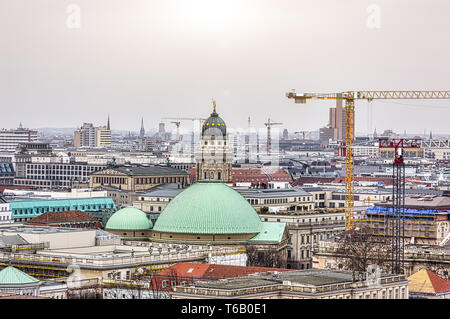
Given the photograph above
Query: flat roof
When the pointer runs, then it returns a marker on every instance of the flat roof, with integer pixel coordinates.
(31, 229)
(145, 170)
(265, 193)
(309, 278)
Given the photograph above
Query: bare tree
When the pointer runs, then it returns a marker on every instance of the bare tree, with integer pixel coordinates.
(156, 288)
(272, 258)
(357, 249)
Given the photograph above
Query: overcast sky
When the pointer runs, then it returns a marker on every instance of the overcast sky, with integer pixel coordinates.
(169, 58)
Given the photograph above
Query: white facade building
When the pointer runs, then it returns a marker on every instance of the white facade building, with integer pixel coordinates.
(5, 213)
(10, 139)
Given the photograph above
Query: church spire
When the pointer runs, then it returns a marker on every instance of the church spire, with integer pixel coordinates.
(142, 132)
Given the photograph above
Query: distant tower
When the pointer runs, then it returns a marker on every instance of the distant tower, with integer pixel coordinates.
(249, 122)
(285, 134)
(142, 132)
(375, 135)
(431, 135)
(214, 156)
(108, 126)
(162, 128)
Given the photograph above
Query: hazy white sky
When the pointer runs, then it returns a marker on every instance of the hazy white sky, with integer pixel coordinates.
(168, 58)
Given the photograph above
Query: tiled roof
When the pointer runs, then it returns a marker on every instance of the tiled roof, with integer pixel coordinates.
(213, 271)
(62, 217)
(425, 281)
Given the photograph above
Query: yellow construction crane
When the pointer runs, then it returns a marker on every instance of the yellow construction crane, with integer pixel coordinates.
(269, 124)
(350, 97)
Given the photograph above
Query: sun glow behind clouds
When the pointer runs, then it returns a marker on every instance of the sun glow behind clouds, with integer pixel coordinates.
(211, 15)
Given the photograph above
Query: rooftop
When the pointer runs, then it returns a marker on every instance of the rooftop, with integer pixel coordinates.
(31, 229)
(424, 201)
(265, 193)
(10, 240)
(312, 278)
(425, 281)
(13, 276)
(270, 232)
(61, 217)
(164, 190)
(146, 170)
(213, 271)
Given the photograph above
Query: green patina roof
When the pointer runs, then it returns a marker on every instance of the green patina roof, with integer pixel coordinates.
(145, 171)
(214, 125)
(271, 232)
(129, 218)
(208, 207)
(60, 202)
(13, 276)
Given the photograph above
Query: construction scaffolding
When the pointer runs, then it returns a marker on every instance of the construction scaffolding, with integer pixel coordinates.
(398, 215)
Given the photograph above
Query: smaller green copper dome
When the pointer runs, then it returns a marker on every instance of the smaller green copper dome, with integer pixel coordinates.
(214, 125)
(129, 218)
(14, 276)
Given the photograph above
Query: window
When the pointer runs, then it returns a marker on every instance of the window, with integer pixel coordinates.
(164, 283)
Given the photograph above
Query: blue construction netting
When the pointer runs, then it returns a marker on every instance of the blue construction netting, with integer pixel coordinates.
(418, 213)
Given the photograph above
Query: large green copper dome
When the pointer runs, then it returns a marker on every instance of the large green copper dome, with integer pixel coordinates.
(208, 207)
(129, 218)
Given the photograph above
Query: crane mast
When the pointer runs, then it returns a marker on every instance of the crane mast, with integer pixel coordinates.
(269, 124)
(349, 141)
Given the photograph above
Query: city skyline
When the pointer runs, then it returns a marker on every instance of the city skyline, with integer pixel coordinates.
(168, 59)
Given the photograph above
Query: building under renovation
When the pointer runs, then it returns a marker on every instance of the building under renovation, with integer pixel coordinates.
(426, 219)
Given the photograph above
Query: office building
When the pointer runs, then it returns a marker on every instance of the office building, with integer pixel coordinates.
(90, 136)
(10, 139)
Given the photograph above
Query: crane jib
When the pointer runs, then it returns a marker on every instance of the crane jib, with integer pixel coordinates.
(348, 147)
